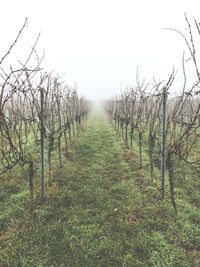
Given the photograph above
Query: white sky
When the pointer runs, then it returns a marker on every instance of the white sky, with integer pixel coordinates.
(99, 43)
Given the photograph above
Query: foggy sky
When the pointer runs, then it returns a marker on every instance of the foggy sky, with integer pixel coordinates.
(99, 44)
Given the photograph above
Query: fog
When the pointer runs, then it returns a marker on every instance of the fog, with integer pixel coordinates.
(99, 44)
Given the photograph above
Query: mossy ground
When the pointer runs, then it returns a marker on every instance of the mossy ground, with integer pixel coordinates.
(101, 210)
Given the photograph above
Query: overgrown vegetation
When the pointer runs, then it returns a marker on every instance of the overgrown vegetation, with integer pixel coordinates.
(101, 210)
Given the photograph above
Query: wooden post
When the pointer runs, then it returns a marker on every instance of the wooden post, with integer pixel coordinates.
(73, 115)
(114, 113)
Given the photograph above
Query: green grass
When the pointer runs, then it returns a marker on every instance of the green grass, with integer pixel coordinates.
(101, 211)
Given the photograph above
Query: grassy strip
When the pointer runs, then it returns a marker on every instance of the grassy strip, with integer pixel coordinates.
(102, 211)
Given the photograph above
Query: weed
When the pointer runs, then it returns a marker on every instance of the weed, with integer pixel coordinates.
(101, 210)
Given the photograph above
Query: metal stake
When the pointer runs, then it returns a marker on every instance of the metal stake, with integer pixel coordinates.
(42, 141)
(163, 144)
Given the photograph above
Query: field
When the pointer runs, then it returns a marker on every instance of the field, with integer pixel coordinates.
(100, 209)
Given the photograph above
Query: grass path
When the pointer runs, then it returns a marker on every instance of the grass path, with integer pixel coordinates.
(101, 214)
